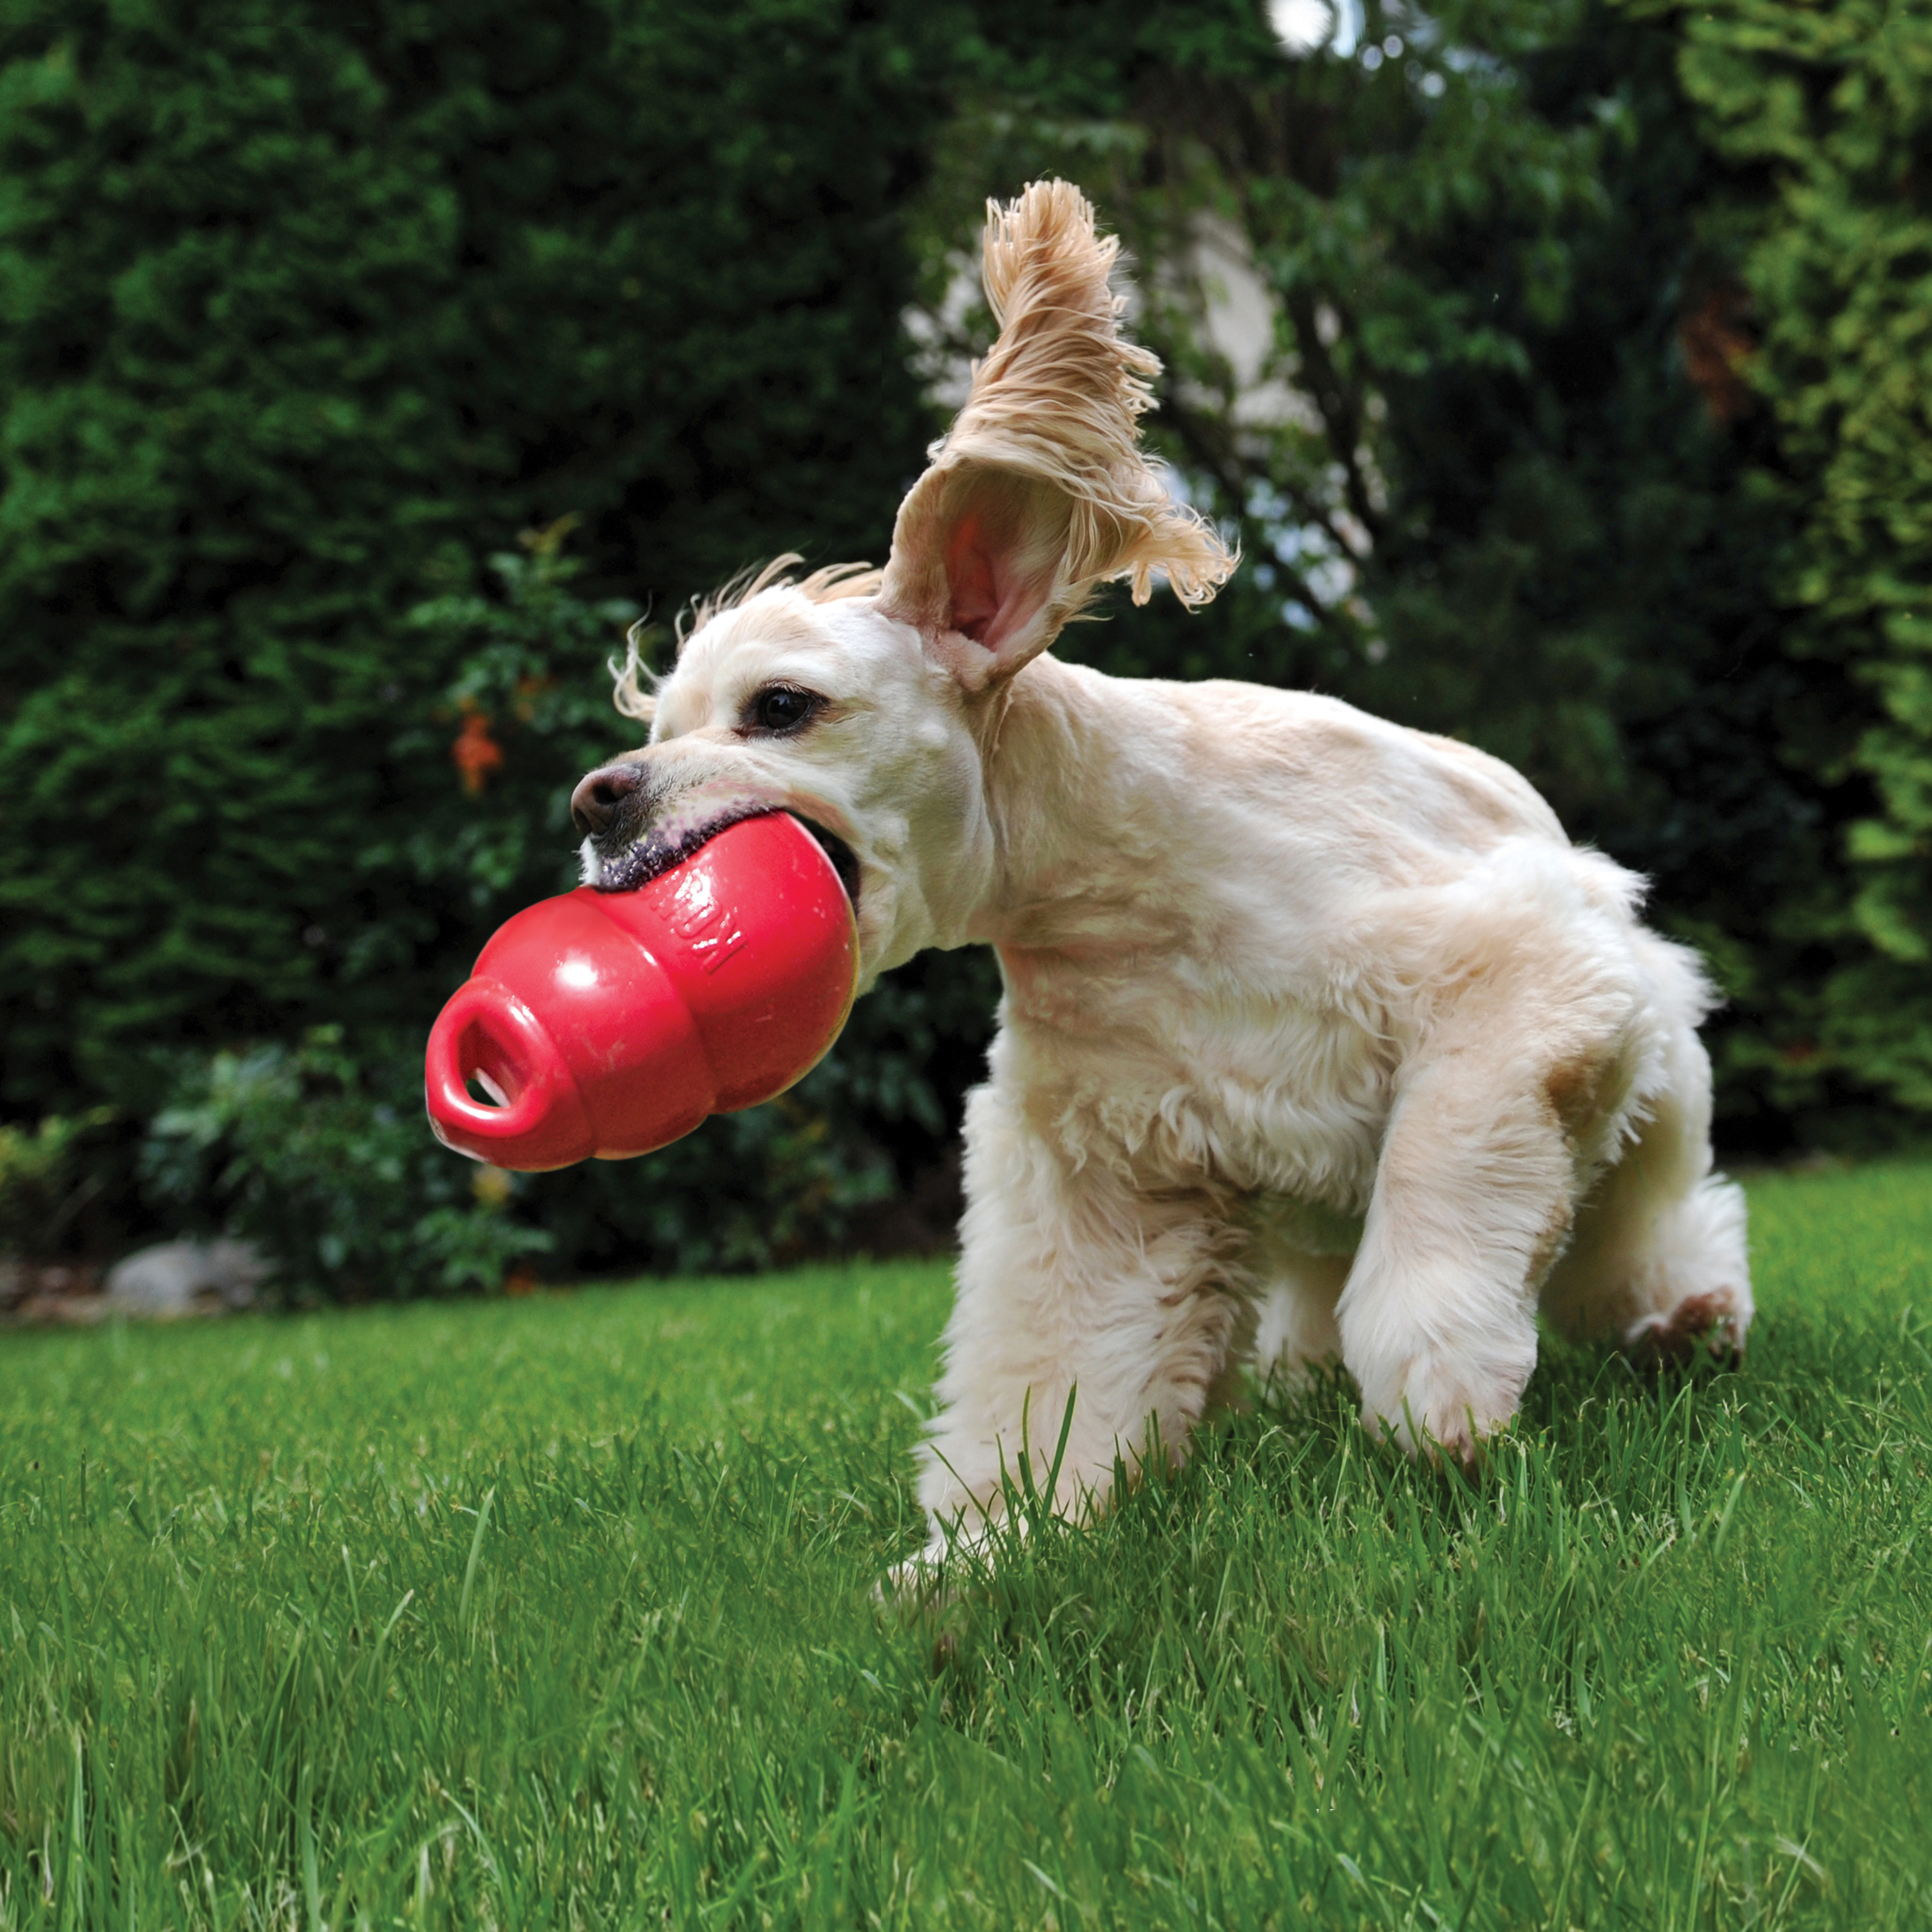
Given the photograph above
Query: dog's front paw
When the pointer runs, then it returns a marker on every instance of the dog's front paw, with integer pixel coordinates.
(1438, 1406)
(922, 1593)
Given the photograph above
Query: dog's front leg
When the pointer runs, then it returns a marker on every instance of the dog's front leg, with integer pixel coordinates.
(1472, 1203)
(1072, 1283)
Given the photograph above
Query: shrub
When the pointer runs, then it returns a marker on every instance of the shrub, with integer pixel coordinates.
(299, 1150)
(305, 311)
(43, 1180)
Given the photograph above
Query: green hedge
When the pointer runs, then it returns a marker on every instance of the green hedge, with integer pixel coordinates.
(304, 309)
(1608, 316)
(1825, 114)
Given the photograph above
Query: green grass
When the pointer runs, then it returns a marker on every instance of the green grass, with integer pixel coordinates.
(557, 1612)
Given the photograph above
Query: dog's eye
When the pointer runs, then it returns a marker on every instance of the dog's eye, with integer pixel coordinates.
(779, 708)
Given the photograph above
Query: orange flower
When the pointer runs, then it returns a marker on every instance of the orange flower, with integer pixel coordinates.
(476, 754)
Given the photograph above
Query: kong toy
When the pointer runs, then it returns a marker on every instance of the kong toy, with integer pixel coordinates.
(605, 1025)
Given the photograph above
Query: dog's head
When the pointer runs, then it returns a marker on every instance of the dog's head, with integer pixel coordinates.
(861, 701)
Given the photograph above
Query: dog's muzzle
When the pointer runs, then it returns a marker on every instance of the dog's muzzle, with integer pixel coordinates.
(612, 801)
(631, 837)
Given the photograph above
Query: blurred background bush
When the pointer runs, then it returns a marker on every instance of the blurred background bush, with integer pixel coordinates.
(367, 368)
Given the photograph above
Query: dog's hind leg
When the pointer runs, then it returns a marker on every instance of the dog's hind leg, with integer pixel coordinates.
(1659, 1262)
(1073, 1285)
(1295, 1329)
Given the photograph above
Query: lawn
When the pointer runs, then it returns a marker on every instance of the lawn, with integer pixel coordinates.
(557, 1612)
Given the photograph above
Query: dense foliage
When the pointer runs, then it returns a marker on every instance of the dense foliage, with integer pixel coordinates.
(1826, 112)
(305, 310)
(364, 371)
(340, 1192)
(303, 303)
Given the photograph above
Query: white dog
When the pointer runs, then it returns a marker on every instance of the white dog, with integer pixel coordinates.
(1319, 1038)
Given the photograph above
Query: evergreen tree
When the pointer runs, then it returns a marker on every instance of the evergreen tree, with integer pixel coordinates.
(305, 307)
(1823, 114)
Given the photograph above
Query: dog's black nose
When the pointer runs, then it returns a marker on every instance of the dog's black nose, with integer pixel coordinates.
(601, 796)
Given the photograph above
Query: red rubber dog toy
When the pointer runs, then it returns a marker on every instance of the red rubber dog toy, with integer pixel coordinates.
(608, 1024)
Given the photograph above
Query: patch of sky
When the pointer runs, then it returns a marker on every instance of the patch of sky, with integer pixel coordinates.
(1308, 550)
(1305, 27)
(1336, 27)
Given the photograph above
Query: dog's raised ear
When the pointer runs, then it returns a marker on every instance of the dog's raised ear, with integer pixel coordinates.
(1040, 491)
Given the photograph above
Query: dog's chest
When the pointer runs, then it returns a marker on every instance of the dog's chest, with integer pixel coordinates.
(1187, 1084)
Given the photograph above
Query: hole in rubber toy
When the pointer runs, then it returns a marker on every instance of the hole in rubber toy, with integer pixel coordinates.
(484, 1090)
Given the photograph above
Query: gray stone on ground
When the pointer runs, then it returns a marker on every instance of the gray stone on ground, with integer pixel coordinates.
(179, 1278)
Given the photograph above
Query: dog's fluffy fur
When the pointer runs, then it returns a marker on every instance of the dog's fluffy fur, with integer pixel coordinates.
(1319, 1038)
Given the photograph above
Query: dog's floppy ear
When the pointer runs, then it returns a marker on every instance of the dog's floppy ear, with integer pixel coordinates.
(1040, 491)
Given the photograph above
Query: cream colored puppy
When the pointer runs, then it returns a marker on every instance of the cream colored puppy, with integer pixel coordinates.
(1319, 1037)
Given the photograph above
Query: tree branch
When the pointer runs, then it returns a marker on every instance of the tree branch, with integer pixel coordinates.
(1210, 448)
